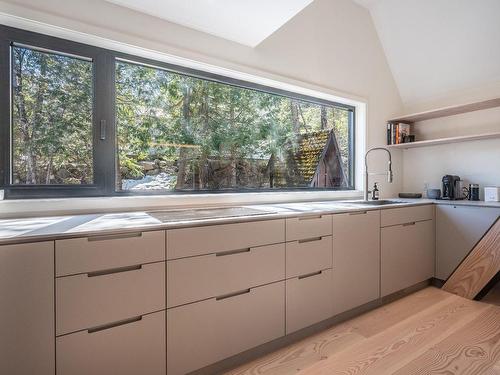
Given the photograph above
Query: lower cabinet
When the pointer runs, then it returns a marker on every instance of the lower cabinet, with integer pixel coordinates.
(356, 259)
(205, 332)
(309, 300)
(408, 254)
(27, 309)
(458, 229)
(130, 347)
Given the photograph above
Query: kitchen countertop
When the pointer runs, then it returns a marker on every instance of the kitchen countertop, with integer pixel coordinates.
(70, 226)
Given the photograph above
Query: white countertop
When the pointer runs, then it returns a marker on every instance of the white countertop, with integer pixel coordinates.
(49, 228)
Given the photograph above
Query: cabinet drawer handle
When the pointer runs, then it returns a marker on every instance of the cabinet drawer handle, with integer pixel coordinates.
(310, 275)
(239, 293)
(310, 239)
(232, 252)
(115, 270)
(114, 236)
(408, 224)
(310, 217)
(358, 213)
(114, 324)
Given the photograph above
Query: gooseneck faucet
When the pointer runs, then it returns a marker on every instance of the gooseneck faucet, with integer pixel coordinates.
(389, 171)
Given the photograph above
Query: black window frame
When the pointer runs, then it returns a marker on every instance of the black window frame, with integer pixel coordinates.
(103, 117)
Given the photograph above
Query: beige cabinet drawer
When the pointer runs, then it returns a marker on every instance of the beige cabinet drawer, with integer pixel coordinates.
(196, 278)
(89, 300)
(186, 242)
(206, 332)
(132, 347)
(402, 215)
(305, 256)
(407, 255)
(80, 255)
(299, 228)
(309, 300)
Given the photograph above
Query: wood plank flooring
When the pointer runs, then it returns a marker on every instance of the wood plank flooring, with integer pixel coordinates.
(428, 332)
(479, 267)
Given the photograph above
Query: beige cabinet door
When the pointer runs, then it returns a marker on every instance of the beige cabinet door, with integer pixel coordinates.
(458, 229)
(356, 259)
(309, 300)
(27, 309)
(202, 333)
(408, 254)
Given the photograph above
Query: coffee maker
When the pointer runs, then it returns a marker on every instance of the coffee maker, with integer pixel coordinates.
(451, 187)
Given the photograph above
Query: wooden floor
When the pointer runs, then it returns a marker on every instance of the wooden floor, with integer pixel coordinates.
(428, 332)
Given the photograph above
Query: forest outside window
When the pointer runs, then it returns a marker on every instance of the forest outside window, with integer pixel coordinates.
(51, 118)
(181, 133)
(78, 120)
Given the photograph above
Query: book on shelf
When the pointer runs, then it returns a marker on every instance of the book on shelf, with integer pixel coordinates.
(397, 132)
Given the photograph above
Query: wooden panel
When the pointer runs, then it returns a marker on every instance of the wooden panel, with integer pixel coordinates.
(207, 276)
(402, 215)
(27, 309)
(356, 259)
(407, 255)
(135, 347)
(299, 228)
(205, 332)
(479, 267)
(458, 229)
(309, 300)
(81, 255)
(86, 301)
(306, 256)
(187, 242)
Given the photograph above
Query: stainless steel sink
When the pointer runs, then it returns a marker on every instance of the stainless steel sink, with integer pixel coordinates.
(381, 202)
(206, 213)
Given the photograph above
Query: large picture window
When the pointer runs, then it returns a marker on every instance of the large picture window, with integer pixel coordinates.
(78, 120)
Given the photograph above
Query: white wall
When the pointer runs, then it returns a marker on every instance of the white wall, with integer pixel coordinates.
(475, 162)
(332, 44)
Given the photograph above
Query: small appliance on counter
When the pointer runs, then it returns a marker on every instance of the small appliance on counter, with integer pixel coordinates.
(492, 194)
(452, 187)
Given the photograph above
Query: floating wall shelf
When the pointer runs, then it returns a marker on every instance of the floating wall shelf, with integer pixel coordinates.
(441, 141)
(448, 111)
(443, 112)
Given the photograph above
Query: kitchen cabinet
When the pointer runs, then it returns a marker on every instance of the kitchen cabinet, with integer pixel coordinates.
(195, 278)
(309, 300)
(186, 242)
(458, 229)
(27, 309)
(129, 347)
(310, 255)
(298, 228)
(87, 254)
(88, 300)
(356, 259)
(407, 255)
(202, 333)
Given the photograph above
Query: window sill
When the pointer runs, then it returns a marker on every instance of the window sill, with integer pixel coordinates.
(66, 206)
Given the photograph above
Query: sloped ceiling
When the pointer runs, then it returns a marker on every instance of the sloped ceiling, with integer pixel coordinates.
(247, 22)
(436, 47)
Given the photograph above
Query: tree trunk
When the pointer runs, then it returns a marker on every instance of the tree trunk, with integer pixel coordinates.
(186, 119)
(324, 119)
(294, 112)
(25, 126)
